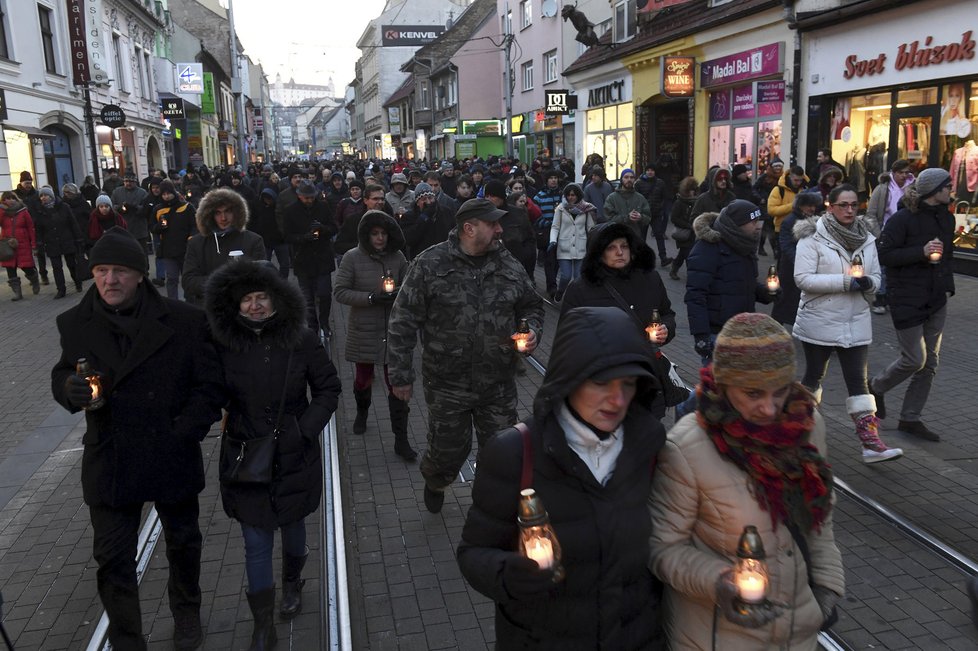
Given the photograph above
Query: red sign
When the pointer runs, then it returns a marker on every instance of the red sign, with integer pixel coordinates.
(678, 77)
(913, 55)
(655, 5)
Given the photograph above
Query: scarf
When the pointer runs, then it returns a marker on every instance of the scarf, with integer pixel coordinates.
(578, 208)
(788, 476)
(123, 324)
(850, 237)
(736, 239)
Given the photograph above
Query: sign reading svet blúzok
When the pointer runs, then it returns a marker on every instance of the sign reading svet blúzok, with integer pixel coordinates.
(398, 35)
(742, 66)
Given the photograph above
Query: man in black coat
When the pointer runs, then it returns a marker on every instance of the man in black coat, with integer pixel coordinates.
(308, 226)
(917, 249)
(162, 387)
(58, 230)
(654, 190)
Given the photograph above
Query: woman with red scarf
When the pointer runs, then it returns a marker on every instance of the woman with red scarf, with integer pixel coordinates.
(753, 453)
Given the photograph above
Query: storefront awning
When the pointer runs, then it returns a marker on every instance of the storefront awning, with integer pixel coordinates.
(33, 132)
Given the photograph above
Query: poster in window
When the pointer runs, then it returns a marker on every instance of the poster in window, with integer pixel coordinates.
(840, 117)
(744, 146)
(954, 122)
(768, 144)
(720, 146)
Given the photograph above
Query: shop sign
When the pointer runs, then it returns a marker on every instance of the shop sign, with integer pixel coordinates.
(613, 93)
(401, 35)
(464, 149)
(649, 6)
(207, 102)
(750, 64)
(743, 102)
(113, 116)
(516, 126)
(172, 108)
(916, 54)
(394, 118)
(85, 37)
(222, 136)
(559, 102)
(483, 127)
(770, 91)
(190, 78)
(678, 78)
(3, 105)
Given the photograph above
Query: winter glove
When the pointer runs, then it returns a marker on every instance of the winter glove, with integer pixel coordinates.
(754, 617)
(703, 346)
(523, 578)
(551, 247)
(826, 600)
(861, 284)
(381, 298)
(77, 390)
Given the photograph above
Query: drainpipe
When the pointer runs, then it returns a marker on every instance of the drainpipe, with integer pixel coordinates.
(790, 18)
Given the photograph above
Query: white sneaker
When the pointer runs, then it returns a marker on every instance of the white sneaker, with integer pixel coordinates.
(878, 309)
(872, 456)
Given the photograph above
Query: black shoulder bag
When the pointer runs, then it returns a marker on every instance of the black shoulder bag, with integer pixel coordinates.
(252, 461)
(673, 393)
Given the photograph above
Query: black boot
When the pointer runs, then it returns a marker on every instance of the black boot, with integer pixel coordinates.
(263, 611)
(35, 284)
(292, 584)
(363, 405)
(78, 286)
(61, 293)
(44, 278)
(187, 633)
(15, 286)
(399, 417)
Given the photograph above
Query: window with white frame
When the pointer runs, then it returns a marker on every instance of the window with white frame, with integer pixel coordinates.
(550, 67)
(527, 73)
(453, 91)
(423, 96)
(508, 23)
(624, 20)
(141, 73)
(148, 66)
(4, 42)
(526, 14)
(45, 19)
(120, 72)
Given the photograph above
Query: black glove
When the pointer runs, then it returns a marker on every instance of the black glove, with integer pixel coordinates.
(551, 247)
(826, 600)
(380, 298)
(703, 346)
(78, 391)
(754, 617)
(523, 578)
(860, 284)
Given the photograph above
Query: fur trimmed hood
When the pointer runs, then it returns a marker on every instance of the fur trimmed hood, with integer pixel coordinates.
(221, 197)
(598, 239)
(221, 303)
(371, 218)
(804, 228)
(703, 227)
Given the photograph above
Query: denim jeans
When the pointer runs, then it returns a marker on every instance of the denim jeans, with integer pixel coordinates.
(689, 404)
(172, 268)
(569, 270)
(259, 544)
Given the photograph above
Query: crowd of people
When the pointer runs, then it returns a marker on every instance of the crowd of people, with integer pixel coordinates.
(446, 256)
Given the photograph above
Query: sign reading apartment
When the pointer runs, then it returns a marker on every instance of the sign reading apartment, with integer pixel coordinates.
(190, 78)
(401, 35)
(87, 47)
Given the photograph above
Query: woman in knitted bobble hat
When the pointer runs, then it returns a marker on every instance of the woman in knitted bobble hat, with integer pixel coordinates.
(753, 453)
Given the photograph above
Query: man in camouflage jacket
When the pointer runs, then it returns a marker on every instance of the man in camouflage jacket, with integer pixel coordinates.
(466, 296)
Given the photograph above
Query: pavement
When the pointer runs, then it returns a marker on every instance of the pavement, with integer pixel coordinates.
(405, 588)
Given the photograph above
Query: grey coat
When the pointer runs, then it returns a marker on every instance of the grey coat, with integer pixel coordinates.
(359, 274)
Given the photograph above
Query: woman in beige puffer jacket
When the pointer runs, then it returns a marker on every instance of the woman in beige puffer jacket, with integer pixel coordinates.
(702, 499)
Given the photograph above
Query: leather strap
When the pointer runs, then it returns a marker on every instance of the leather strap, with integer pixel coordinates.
(281, 404)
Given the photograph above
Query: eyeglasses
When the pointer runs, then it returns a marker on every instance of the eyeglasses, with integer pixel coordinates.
(847, 206)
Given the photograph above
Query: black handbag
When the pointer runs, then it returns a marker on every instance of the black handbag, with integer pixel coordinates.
(252, 461)
(82, 270)
(672, 392)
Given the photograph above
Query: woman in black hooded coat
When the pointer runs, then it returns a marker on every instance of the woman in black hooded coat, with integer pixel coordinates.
(592, 446)
(258, 321)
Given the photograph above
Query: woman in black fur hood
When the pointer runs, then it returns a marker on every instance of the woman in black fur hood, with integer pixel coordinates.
(258, 321)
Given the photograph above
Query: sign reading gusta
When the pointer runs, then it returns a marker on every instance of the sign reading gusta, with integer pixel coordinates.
(400, 35)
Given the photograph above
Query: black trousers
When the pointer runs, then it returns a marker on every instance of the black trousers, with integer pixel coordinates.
(58, 269)
(114, 548)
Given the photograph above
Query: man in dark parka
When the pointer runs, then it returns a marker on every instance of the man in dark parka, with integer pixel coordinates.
(162, 384)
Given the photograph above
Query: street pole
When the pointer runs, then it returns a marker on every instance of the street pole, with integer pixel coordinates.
(508, 83)
(239, 95)
(90, 123)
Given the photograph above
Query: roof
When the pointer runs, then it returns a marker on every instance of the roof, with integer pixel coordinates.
(442, 48)
(403, 92)
(667, 25)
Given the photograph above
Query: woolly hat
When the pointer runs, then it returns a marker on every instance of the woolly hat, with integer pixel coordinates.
(336, 175)
(69, 189)
(118, 246)
(740, 212)
(738, 169)
(625, 171)
(46, 191)
(776, 162)
(494, 188)
(350, 175)
(398, 178)
(166, 185)
(306, 189)
(423, 190)
(26, 176)
(754, 351)
(931, 181)
(103, 200)
(155, 180)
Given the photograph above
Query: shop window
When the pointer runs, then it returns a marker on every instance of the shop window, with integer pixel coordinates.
(550, 66)
(624, 20)
(20, 156)
(526, 71)
(45, 19)
(917, 97)
(610, 135)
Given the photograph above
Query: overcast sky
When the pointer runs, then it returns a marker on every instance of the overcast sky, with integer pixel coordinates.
(311, 41)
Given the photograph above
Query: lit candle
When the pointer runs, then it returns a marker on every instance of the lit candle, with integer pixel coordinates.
(389, 284)
(856, 270)
(751, 587)
(541, 551)
(521, 343)
(96, 386)
(652, 329)
(935, 257)
(773, 282)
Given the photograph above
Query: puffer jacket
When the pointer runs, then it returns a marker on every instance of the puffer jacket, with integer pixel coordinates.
(569, 232)
(16, 222)
(828, 313)
(181, 222)
(608, 599)
(209, 249)
(700, 503)
(719, 281)
(58, 230)
(255, 373)
(781, 201)
(360, 273)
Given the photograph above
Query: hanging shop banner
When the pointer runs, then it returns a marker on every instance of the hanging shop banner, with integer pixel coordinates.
(86, 42)
(172, 108)
(207, 102)
(113, 116)
(190, 78)
(413, 35)
(758, 62)
(678, 76)
(558, 102)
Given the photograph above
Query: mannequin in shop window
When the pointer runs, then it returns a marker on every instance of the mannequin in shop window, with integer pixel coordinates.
(964, 172)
